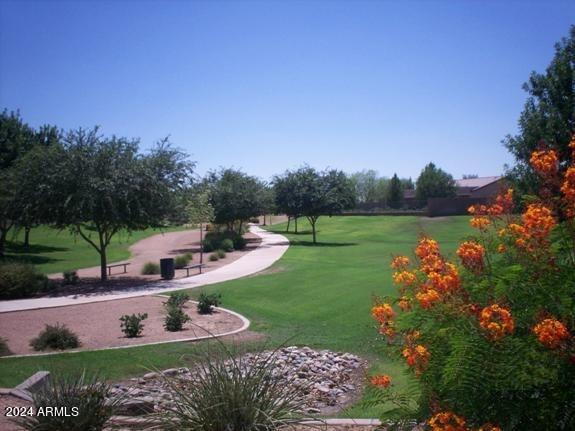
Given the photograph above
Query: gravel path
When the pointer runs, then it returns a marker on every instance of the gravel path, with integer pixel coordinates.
(21, 326)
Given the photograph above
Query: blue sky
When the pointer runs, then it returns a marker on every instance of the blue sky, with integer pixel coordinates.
(268, 86)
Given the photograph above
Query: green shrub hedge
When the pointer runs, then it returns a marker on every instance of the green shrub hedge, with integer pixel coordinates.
(21, 280)
(57, 337)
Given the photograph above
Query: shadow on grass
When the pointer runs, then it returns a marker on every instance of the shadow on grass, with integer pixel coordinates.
(29, 258)
(322, 244)
(19, 248)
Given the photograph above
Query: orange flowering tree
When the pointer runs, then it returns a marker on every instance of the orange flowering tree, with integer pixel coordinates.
(490, 332)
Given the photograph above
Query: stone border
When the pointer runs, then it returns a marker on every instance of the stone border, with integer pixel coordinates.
(245, 325)
(130, 420)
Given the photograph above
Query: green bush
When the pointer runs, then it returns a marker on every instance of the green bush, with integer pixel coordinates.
(132, 325)
(70, 278)
(208, 245)
(57, 337)
(4, 350)
(227, 245)
(21, 280)
(214, 257)
(206, 303)
(175, 318)
(177, 299)
(239, 242)
(220, 253)
(231, 393)
(89, 405)
(150, 268)
(182, 260)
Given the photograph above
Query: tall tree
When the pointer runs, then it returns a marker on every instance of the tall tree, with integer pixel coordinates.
(97, 186)
(433, 182)
(287, 196)
(548, 117)
(395, 198)
(236, 197)
(322, 193)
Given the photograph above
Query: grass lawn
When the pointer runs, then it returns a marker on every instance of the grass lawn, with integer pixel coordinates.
(54, 251)
(318, 296)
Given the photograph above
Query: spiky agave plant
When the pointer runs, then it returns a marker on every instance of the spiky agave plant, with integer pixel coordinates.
(231, 393)
(72, 403)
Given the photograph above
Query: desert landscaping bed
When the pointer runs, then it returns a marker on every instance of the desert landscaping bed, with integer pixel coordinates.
(97, 324)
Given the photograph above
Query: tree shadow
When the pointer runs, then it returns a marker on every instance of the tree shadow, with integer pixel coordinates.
(30, 258)
(19, 248)
(322, 244)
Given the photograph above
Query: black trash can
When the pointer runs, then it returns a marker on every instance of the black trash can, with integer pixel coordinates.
(167, 268)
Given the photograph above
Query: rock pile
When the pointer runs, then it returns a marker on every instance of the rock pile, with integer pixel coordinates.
(327, 380)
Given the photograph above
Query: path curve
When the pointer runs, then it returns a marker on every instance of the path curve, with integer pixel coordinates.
(271, 249)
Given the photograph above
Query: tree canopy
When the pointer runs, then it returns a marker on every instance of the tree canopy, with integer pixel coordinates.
(548, 117)
(97, 185)
(433, 182)
(395, 198)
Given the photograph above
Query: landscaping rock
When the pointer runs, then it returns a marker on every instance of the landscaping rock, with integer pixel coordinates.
(327, 380)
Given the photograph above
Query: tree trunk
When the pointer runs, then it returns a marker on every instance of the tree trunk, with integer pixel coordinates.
(313, 229)
(103, 258)
(27, 237)
(289, 220)
(3, 234)
(201, 244)
(295, 225)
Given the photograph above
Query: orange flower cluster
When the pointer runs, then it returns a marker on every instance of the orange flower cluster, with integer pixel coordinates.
(551, 333)
(381, 381)
(404, 303)
(405, 278)
(497, 321)
(532, 234)
(428, 298)
(484, 214)
(400, 262)
(545, 162)
(447, 421)
(480, 222)
(426, 247)
(471, 254)
(489, 427)
(568, 189)
(383, 313)
(416, 356)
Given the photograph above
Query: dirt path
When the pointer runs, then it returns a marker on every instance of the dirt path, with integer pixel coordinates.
(19, 327)
(170, 244)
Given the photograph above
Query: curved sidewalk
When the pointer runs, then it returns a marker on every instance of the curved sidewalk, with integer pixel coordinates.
(272, 247)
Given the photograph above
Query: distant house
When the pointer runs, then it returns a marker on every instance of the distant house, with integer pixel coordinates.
(468, 192)
(481, 187)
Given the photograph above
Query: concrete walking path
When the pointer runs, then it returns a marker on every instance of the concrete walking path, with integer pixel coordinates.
(272, 247)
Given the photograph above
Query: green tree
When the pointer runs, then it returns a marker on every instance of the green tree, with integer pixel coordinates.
(548, 117)
(200, 211)
(395, 197)
(287, 196)
(433, 182)
(322, 193)
(97, 186)
(236, 197)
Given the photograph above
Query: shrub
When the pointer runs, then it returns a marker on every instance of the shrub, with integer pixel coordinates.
(150, 268)
(175, 318)
(214, 257)
(491, 340)
(206, 303)
(57, 337)
(227, 245)
(70, 278)
(182, 260)
(21, 280)
(89, 405)
(177, 299)
(239, 242)
(132, 325)
(231, 393)
(4, 350)
(208, 245)
(220, 253)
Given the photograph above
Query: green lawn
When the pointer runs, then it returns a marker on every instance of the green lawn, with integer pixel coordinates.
(54, 251)
(315, 295)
